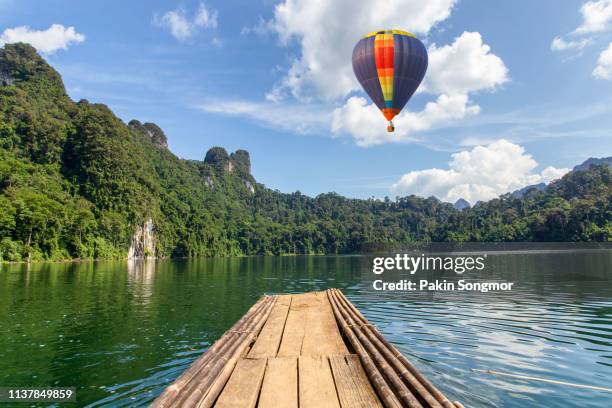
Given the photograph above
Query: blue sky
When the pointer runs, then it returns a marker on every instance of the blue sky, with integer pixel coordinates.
(516, 93)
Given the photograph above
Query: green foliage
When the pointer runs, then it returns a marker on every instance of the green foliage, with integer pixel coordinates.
(10, 250)
(577, 207)
(35, 112)
(75, 181)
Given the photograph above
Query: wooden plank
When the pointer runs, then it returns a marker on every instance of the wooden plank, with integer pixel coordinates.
(316, 383)
(322, 336)
(242, 388)
(352, 384)
(293, 335)
(269, 339)
(280, 384)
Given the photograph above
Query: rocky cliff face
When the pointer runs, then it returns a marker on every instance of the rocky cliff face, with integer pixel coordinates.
(143, 241)
(239, 161)
(152, 131)
(219, 159)
(249, 186)
(20, 62)
(237, 164)
(6, 79)
(209, 182)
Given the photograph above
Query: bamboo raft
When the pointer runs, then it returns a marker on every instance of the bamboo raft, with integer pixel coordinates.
(307, 350)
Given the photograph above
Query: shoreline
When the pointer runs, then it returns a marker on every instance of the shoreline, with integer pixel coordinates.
(594, 247)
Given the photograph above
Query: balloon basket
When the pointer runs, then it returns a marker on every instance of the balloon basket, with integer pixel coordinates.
(390, 127)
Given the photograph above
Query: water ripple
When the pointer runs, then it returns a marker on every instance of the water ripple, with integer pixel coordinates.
(121, 333)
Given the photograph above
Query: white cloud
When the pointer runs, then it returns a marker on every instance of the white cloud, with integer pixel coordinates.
(182, 27)
(559, 44)
(326, 40)
(57, 37)
(303, 118)
(205, 18)
(261, 28)
(551, 173)
(466, 65)
(603, 70)
(481, 173)
(366, 125)
(596, 17)
(455, 71)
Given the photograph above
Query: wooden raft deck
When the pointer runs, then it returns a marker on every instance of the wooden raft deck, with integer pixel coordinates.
(305, 350)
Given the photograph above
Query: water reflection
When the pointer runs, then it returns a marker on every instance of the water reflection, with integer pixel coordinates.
(140, 278)
(121, 331)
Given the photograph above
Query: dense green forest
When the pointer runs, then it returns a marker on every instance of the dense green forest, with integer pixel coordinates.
(76, 181)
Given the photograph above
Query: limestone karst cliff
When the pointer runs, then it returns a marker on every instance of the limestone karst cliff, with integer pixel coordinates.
(142, 245)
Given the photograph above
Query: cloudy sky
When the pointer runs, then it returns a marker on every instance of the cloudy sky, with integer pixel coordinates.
(515, 94)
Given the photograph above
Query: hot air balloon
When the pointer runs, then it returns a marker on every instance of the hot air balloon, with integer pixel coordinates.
(390, 65)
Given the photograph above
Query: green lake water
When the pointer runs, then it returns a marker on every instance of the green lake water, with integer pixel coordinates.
(120, 332)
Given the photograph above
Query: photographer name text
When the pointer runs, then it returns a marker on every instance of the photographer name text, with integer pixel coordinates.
(442, 286)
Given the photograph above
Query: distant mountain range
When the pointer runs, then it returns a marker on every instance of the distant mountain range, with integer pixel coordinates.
(592, 161)
(525, 190)
(521, 193)
(461, 204)
(585, 165)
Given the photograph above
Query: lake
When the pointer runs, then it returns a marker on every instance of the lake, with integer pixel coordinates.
(120, 332)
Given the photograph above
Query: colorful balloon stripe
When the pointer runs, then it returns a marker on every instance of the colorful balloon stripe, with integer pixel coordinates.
(384, 56)
(373, 33)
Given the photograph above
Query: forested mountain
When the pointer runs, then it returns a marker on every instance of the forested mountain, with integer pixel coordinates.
(77, 182)
(593, 161)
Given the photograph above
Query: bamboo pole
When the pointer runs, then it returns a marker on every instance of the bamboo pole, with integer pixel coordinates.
(399, 387)
(364, 348)
(172, 391)
(383, 389)
(176, 391)
(200, 387)
(209, 399)
(432, 389)
(168, 397)
(418, 389)
(214, 389)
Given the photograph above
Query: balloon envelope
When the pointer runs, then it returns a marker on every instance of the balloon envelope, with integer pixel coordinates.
(390, 65)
